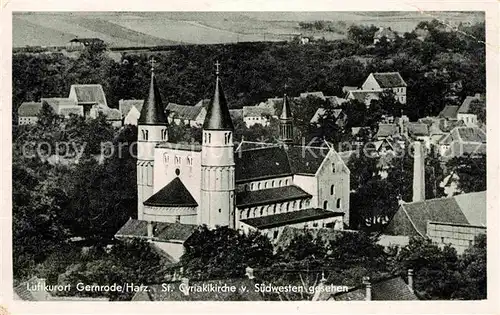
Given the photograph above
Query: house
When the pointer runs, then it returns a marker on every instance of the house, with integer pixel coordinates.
(87, 96)
(339, 116)
(386, 130)
(130, 111)
(63, 106)
(113, 115)
(386, 81)
(317, 94)
(257, 115)
(453, 220)
(363, 96)
(463, 141)
(27, 113)
(169, 237)
(384, 33)
(80, 43)
(346, 89)
(420, 132)
(464, 111)
(184, 114)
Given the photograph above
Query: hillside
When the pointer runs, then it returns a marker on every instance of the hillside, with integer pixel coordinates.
(164, 28)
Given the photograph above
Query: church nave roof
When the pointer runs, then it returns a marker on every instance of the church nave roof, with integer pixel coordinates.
(287, 218)
(270, 196)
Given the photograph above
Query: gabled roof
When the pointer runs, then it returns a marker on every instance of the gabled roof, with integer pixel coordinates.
(29, 109)
(218, 117)
(153, 112)
(270, 196)
(114, 114)
(126, 105)
(392, 289)
(162, 231)
(89, 93)
(468, 209)
(306, 159)
(389, 79)
(416, 129)
(256, 111)
(465, 107)
(386, 130)
(174, 194)
(336, 101)
(261, 163)
(183, 112)
(57, 102)
(449, 111)
(364, 95)
(292, 217)
(156, 292)
(318, 94)
(470, 134)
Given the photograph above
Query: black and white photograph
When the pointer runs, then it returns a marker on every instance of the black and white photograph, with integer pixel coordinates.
(282, 156)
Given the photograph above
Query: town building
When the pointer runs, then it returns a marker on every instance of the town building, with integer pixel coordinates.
(453, 220)
(384, 33)
(464, 112)
(63, 106)
(130, 110)
(463, 141)
(87, 96)
(260, 114)
(216, 184)
(187, 115)
(27, 113)
(383, 81)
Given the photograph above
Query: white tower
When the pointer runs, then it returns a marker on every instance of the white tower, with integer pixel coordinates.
(152, 128)
(217, 163)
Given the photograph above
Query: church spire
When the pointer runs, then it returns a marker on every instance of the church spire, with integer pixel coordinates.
(152, 112)
(286, 121)
(218, 117)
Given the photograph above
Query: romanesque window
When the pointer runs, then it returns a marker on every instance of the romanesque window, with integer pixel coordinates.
(272, 183)
(332, 190)
(253, 186)
(333, 167)
(165, 158)
(265, 185)
(261, 211)
(190, 160)
(287, 206)
(248, 213)
(338, 203)
(274, 209)
(280, 183)
(164, 134)
(258, 186)
(209, 138)
(286, 182)
(301, 203)
(275, 233)
(177, 159)
(325, 204)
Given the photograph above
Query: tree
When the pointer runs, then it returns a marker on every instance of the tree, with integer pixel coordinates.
(436, 271)
(473, 277)
(471, 171)
(223, 253)
(478, 108)
(362, 34)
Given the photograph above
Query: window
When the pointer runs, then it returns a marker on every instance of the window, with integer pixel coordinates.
(287, 206)
(286, 182)
(325, 204)
(209, 138)
(164, 134)
(178, 219)
(301, 204)
(177, 172)
(274, 209)
(258, 186)
(261, 211)
(315, 224)
(252, 187)
(220, 210)
(280, 183)
(338, 203)
(265, 185)
(275, 233)
(333, 168)
(190, 160)
(177, 160)
(332, 190)
(165, 158)
(442, 239)
(272, 183)
(248, 213)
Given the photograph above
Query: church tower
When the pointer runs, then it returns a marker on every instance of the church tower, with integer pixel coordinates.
(217, 163)
(152, 128)
(286, 122)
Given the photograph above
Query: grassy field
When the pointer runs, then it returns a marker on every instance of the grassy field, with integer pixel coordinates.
(164, 28)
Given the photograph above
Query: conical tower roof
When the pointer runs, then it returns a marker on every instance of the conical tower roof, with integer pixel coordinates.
(286, 112)
(218, 117)
(153, 112)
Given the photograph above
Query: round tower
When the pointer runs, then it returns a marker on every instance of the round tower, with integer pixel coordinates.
(217, 163)
(152, 129)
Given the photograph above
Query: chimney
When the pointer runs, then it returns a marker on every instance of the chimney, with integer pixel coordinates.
(368, 286)
(410, 279)
(418, 172)
(150, 230)
(249, 273)
(185, 286)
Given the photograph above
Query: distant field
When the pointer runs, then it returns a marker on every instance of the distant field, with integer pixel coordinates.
(165, 28)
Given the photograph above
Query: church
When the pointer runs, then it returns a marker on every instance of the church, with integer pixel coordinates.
(247, 186)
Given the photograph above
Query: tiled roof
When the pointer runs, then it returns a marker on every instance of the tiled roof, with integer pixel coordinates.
(162, 231)
(89, 93)
(174, 194)
(75, 110)
(336, 101)
(270, 196)
(364, 95)
(465, 107)
(287, 218)
(440, 210)
(57, 102)
(236, 113)
(29, 109)
(389, 79)
(256, 111)
(473, 206)
(183, 112)
(416, 129)
(261, 163)
(392, 289)
(156, 292)
(386, 130)
(470, 134)
(449, 111)
(315, 94)
(114, 114)
(306, 159)
(126, 105)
